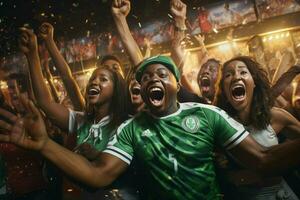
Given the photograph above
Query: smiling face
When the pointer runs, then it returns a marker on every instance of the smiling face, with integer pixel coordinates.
(159, 89)
(100, 87)
(238, 85)
(207, 78)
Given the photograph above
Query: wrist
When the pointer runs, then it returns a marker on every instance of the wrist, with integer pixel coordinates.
(46, 146)
(49, 41)
(32, 53)
(118, 16)
(180, 24)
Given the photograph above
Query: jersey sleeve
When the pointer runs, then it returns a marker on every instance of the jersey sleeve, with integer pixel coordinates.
(227, 131)
(75, 120)
(121, 144)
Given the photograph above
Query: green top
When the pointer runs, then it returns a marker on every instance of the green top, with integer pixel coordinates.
(97, 134)
(177, 150)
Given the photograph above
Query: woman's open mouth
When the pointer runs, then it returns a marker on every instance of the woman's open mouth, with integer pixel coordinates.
(93, 92)
(238, 92)
(136, 90)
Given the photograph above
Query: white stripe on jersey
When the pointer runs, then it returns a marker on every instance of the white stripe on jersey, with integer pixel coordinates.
(117, 155)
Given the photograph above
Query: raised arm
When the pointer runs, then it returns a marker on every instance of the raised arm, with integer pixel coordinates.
(283, 64)
(46, 33)
(202, 53)
(56, 112)
(148, 48)
(47, 73)
(120, 10)
(30, 133)
(178, 11)
(285, 80)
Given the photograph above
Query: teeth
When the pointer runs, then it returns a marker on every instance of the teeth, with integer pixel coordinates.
(237, 86)
(93, 90)
(155, 89)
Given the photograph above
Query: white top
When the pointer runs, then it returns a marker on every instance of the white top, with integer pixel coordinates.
(266, 137)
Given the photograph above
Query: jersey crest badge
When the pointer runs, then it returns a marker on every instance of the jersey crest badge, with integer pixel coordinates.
(191, 124)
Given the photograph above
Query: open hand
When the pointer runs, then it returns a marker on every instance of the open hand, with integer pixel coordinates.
(120, 7)
(200, 39)
(28, 132)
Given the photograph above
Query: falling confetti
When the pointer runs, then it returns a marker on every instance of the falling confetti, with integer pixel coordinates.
(75, 5)
(170, 16)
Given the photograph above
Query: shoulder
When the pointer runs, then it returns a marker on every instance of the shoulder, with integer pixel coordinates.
(278, 113)
(132, 122)
(76, 120)
(194, 105)
(203, 107)
(208, 111)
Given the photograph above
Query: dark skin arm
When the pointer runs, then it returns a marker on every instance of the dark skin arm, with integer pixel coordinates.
(285, 80)
(72, 88)
(56, 112)
(101, 172)
(178, 11)
(267, 161)
(48, 75)
(120, 9)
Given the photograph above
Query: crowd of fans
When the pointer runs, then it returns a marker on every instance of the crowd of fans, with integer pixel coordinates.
(148, 133)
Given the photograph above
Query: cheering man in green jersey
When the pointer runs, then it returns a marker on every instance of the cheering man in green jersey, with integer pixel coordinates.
(174, 142)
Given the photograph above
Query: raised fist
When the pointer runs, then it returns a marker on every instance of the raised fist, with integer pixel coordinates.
(120, 7)
(178, 9)
(27, 41)
(46, 31)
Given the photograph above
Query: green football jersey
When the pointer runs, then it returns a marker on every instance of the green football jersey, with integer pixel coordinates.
(96, 134)
(176, 151)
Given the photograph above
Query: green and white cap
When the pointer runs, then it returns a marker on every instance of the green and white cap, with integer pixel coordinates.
(164, 60)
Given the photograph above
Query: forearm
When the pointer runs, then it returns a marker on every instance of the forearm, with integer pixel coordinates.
(284, 81)
(177, 51)
(202, 54)
(70, 84)
(52, 88)
(280, 158)
(128, 41)
(148, 52)
(187, 84)
(75, 165)
(41, 92)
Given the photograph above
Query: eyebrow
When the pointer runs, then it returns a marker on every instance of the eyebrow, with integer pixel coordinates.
(242, 66)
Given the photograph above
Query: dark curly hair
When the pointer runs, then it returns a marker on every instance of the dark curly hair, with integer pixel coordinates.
(262, 102)
(119, 104)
